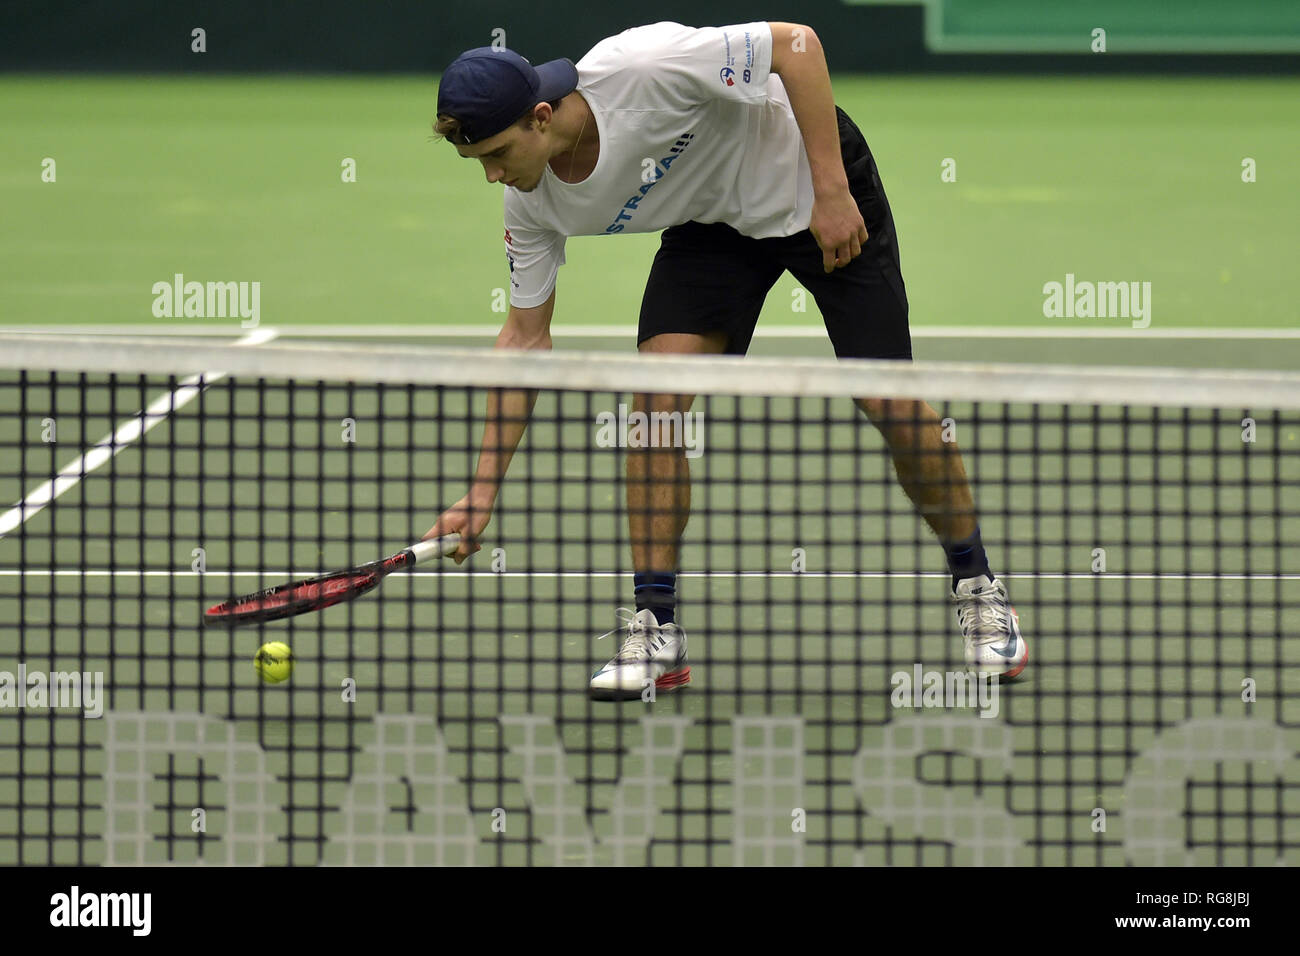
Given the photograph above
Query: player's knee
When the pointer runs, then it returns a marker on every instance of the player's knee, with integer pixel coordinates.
(902, 421)
(884, 411)
(873, 408)
(662, 404)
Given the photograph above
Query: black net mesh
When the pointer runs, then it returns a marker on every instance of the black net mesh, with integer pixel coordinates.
(1153, 554)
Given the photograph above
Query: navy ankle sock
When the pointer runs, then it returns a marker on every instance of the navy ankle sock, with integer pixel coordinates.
(966, 559)
(657, 590)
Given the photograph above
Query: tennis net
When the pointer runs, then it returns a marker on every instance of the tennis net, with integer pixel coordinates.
(1145, 522)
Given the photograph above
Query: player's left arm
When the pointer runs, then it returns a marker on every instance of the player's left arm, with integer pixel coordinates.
(837, 225)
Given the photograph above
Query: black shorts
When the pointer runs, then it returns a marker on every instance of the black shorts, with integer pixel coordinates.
(707, 277)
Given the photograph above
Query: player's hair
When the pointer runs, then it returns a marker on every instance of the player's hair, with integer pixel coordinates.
(448, 127)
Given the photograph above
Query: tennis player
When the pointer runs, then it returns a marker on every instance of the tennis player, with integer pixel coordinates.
(728, 140)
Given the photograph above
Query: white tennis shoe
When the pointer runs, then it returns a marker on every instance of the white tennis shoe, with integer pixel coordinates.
(990, 627)
(652, 653)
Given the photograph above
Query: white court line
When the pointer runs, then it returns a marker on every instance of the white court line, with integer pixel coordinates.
(116, 441)
(287, 575)
(628, 331)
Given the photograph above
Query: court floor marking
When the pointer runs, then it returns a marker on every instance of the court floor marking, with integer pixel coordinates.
(628, 330)
(126, 434)
(1022, 576)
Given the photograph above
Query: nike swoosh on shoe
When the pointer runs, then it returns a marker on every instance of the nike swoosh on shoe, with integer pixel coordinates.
(1008, 649)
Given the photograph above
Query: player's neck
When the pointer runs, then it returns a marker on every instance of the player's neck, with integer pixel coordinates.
(581, 142)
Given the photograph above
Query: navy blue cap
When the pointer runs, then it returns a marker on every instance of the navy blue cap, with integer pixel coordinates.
(487, 89)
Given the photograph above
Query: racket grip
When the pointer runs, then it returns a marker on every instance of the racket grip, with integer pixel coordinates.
(435, 547)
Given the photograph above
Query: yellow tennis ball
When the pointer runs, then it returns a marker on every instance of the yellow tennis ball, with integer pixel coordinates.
(274, 661)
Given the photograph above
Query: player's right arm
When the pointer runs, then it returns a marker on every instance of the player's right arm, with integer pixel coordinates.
(508, 412)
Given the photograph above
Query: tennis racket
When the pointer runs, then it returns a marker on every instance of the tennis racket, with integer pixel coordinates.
(314, 594)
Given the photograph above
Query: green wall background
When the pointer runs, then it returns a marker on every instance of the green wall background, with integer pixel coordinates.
(419, 36)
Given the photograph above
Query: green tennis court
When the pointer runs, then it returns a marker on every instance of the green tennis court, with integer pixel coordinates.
(1109, 179)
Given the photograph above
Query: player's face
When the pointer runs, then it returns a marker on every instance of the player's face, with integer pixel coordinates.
(516, 157)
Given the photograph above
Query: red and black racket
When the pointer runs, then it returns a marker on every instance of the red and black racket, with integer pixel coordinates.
(301, 597)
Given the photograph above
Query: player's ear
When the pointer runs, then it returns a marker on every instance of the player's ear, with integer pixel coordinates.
(540, 117)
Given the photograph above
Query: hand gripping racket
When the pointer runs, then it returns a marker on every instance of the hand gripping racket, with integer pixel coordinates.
(313, 594)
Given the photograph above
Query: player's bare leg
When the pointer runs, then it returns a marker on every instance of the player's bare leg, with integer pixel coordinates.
(929, 468)
(931, 472)
(659, 479)
(658, 508)
(658, 487)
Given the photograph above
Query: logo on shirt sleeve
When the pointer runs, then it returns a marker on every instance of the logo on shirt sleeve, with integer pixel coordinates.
(727, 75)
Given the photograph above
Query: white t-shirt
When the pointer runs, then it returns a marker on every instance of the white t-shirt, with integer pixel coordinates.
(693, 126)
